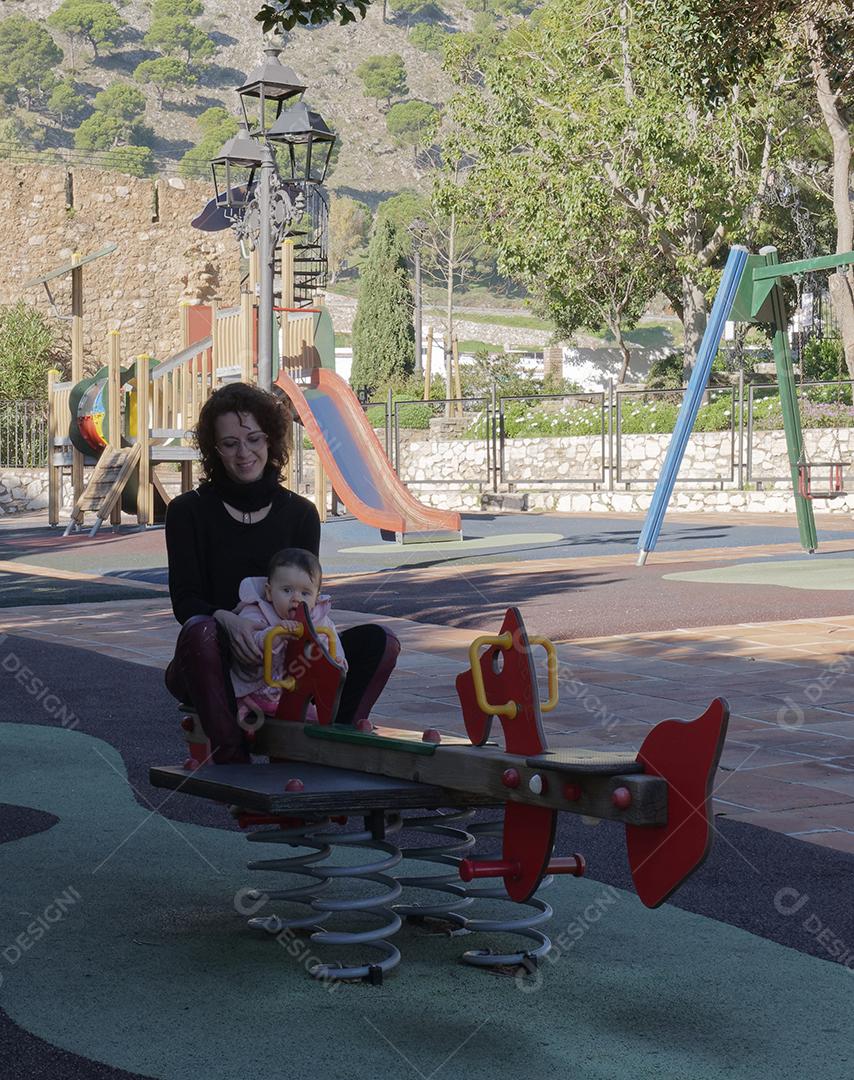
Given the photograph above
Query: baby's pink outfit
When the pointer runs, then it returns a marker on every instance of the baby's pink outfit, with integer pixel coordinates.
(252, 692)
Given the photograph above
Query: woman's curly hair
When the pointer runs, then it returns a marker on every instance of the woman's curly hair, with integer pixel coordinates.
(272, 413)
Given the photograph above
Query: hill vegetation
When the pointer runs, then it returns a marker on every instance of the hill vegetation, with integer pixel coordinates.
(595, 154)
(172, 66)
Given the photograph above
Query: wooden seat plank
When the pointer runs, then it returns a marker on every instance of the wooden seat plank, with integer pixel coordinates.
(591, 762)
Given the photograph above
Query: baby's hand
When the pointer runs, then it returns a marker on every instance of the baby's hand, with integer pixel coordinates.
(293, 627)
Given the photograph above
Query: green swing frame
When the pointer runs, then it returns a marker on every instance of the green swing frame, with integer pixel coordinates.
(760, 299)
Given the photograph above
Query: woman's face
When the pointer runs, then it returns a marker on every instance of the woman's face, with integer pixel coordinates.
(241, 445)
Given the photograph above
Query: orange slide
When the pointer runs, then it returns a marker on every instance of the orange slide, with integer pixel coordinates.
(357, 465)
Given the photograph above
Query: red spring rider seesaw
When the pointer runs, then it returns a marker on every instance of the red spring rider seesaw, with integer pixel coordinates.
(662, 793)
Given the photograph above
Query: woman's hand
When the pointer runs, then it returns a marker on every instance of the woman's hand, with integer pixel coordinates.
(241, 636)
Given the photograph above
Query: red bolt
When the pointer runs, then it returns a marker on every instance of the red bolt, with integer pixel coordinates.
(621, 797)
(511, 778)
(294, 785)
(364, 725)
(571, 864)
(572, 792)
(188, 723)
(190, 764)
(484, 868)
(431, 735)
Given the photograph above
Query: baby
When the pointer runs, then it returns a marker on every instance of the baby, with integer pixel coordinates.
(293, 577)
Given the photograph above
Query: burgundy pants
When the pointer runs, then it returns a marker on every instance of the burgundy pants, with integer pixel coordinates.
(199, 675)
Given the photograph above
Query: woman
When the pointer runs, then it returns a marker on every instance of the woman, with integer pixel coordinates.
(228, 529)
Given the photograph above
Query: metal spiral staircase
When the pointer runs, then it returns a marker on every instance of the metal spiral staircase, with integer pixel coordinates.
(311, 234)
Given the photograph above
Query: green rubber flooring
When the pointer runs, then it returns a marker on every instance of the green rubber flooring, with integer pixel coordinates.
(825, 575)
(150, 967)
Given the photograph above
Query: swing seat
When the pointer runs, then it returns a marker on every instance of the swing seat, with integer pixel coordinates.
(835, 487)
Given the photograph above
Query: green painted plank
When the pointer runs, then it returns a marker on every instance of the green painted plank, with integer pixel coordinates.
(345, 733)
(803, 266)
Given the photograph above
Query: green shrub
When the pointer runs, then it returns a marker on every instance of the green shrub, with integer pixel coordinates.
(27, 350)
(665, 373)
(638, 417)
(530, 419)
(414, 415)
(836, 394)
(429, 37)
(767, 413)
(717, 416)
(823, 360)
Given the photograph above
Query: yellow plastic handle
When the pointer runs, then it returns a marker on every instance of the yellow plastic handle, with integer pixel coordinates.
(289, 682)
(551, 667)
(331, 648)
(503, 641)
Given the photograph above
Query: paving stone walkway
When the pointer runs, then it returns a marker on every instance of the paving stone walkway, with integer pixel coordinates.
(788, 764)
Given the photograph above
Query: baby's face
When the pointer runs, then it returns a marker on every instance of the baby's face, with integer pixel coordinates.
(287, 588)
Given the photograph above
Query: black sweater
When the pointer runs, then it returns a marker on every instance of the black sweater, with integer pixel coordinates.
(210, 553)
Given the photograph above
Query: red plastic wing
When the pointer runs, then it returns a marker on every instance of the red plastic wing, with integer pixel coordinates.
(686, 755)
(529, 836)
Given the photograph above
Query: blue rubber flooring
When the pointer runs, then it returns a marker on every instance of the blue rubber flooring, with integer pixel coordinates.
(581, 536)
(569, 537)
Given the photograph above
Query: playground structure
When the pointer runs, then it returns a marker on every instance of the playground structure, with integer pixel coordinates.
(751, 291)
(130, 417)
(661, 794)
(97, 420)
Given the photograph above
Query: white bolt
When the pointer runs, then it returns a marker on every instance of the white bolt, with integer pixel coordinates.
(535, 784)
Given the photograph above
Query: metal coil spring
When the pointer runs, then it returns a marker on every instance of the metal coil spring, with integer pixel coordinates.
(453, 843)
(307, 835)
(524, 925)
(320, 841)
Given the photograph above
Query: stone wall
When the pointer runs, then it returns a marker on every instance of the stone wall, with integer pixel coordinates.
(49, 212)
(546, 467)
(709, 456)
(26, 489)
(452, 473)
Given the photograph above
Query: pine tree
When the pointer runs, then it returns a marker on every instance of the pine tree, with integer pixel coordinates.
(383, 332)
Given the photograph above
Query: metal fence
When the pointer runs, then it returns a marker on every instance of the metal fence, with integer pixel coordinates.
(590, 439)
(602, 439)
(466, 420)
(551, 416)
(23, 434)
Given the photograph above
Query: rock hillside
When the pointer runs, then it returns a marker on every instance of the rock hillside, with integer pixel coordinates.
(369, 167)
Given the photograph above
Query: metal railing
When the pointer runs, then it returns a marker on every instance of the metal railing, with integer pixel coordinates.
(674, 399)
(819, 403)
(23, 434)
(729, 458)
(495, 436)
(554, 413)
(466, 418)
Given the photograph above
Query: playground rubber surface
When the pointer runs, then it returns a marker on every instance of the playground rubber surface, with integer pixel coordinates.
(151, 972)
(573, 576)
(348, 546)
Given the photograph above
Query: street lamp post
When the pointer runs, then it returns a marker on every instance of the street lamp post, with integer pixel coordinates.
(264, 207)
